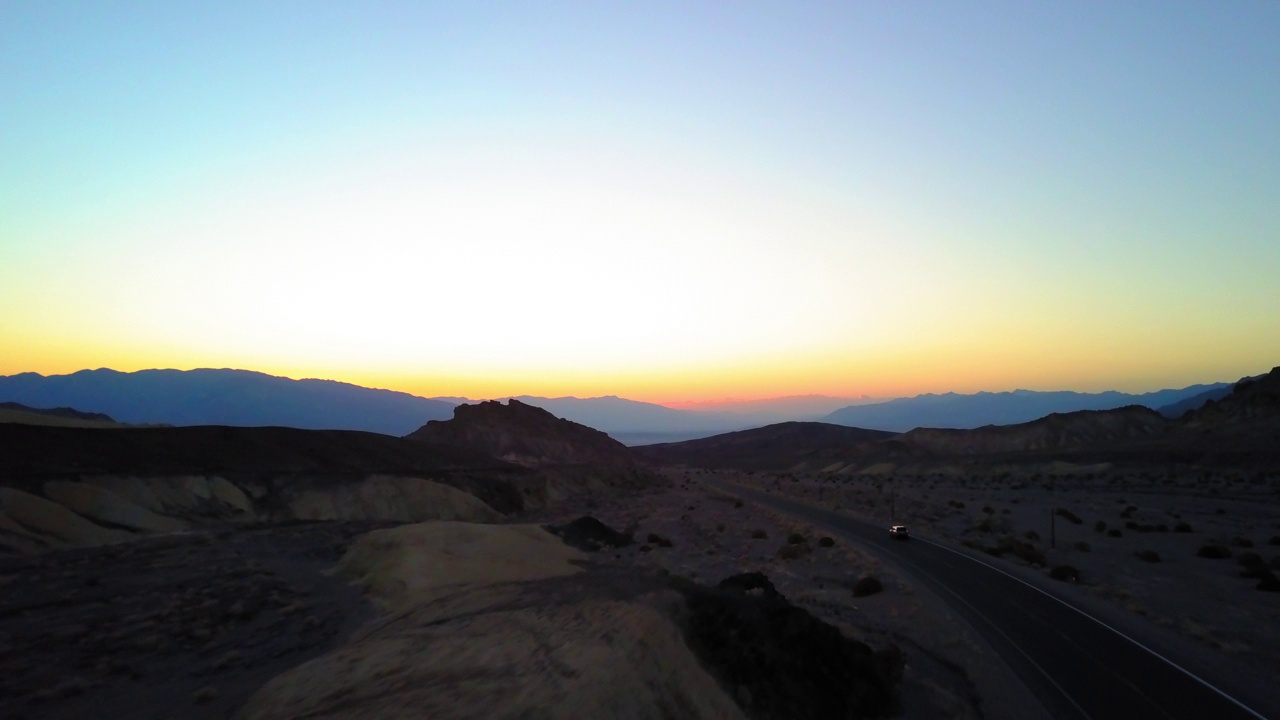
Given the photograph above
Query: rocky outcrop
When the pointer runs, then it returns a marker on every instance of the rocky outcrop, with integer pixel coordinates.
(1094, 428)
(507, 621)
(75, 487)
(525, 435)
(397, 499)
(31, 523)
(109, 509)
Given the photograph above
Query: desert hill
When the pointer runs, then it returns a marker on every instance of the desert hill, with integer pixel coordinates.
(225, 397)
(12, 412)
(524, 435)
(68, 486)
(1058, 431)
(789, 446)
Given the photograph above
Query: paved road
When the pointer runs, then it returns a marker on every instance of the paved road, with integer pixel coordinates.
(1076, 665)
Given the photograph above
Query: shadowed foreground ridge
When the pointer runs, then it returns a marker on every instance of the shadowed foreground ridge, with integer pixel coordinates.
(780, 661)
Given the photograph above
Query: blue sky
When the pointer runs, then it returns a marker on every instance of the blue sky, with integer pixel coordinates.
(666, 201)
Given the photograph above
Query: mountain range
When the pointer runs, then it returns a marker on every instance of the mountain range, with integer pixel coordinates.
(225, 397)
(246, 398)
(952, 410)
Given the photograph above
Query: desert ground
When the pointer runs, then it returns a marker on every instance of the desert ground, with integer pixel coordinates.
(1183, 556)
(196, 624)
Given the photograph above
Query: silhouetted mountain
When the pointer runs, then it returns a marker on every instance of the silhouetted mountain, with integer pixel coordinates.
(631, 422)
(525, 435)
(60, 412)
(1195, 402)
(226, 397)
(785, 446)
(952, 410)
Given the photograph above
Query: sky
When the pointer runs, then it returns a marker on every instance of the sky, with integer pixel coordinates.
(662, 201)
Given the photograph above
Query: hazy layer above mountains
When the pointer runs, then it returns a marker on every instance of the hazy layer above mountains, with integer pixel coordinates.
(240, 397)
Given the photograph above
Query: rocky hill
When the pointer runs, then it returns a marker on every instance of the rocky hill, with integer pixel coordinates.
(75, 487)
(12, 412)
(789, 446)
(1058, 431)
(524, 435)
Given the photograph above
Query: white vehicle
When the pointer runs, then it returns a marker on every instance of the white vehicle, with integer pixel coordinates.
(899, 532)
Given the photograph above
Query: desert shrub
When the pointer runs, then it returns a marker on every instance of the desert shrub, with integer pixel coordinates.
(1004, 511)
(1249, 559)
(1065, 573)
(793, 551)
(1274, 564)
(1150, 556)
(758, 535)
(868, 585)
(1128, 512)
(737, 503)
(1183, 527)
(1256, 572)
(1068, 516)
(1242, 542)
(1114, 532)
(984, 526)
(1100, 526)
(796, 539)
(1082, 546)
(720, 527)
(645, 548)
(988, 509)
(1275, 540)
(956, 504)
(826, 541)
(658, 540)
(1269, 584)
(1031, 535)
(1131, 525)
(1213, 552)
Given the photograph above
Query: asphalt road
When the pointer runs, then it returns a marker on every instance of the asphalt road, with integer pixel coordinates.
(1076, 665)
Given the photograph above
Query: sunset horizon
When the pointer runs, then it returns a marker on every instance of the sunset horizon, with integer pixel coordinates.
(672, 204)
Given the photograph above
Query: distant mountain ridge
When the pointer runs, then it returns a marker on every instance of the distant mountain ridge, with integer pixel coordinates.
(225, 397)
(952, 410)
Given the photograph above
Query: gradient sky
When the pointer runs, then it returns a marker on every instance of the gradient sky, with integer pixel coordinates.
(665, 201)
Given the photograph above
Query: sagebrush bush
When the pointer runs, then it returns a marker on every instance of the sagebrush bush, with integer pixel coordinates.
(1183, 527)
(1213, 552)
(758, 535)
(868, 585)
(1250, 559)
(1240, 541)
(1150, 556)
(825, 541)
